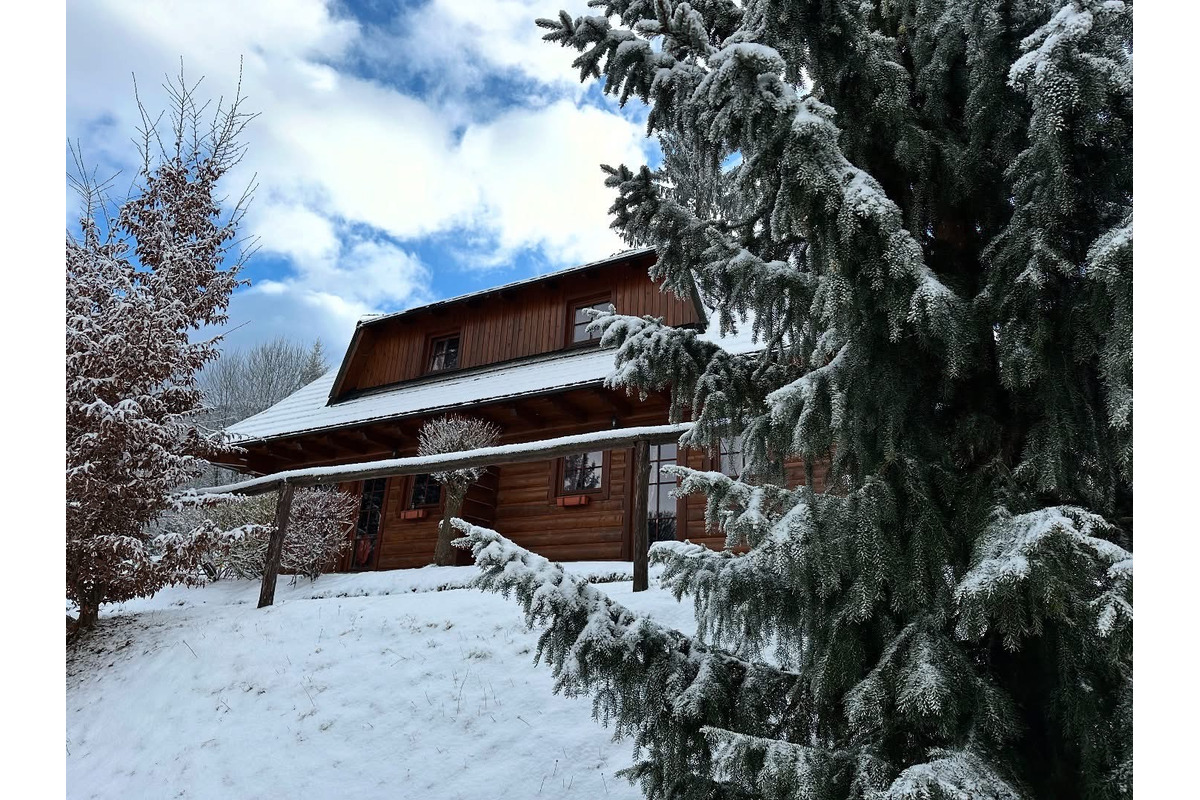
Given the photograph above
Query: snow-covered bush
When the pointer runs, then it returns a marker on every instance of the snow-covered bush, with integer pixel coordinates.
(142, 276)
(318, 533)
(318, 530)
(454, 433)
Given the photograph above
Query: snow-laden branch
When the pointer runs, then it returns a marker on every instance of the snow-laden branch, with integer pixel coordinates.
(648, 681)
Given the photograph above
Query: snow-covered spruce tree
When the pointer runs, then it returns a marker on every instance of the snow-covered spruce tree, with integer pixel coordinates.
(934, 244)
(454, 433)
(696, 178)
(141, 277)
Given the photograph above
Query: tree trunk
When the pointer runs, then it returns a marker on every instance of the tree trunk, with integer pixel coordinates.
(283, 509)
(641, 516)
(444, 555)
(88, 614)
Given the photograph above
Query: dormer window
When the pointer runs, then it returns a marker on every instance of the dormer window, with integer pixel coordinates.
(443, 353)
(581, 318)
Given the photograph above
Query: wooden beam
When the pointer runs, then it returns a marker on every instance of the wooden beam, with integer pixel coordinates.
(379, 440)
(266, 595)
(355, 442)
(570, 409)
(613, 401)
(525, 452)
(641, 516)
(312, 446)
(528, 416)
(487, 416)
(407, 429)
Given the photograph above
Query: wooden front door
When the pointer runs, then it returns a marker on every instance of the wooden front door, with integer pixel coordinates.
(364, 553)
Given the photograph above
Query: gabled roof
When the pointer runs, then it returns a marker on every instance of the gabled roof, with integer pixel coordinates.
(624, 255)
(307, 410)
(336, 387)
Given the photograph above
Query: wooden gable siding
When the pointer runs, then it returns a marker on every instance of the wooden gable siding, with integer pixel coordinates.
(529, 321)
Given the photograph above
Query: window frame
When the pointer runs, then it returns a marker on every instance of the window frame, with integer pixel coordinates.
(557, 489)
(377, 540)
(740, 475)
(431, 343)
(584, 301)
(680, 504)
(412, 489)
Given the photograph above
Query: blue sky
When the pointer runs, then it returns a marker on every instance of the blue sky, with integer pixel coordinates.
(405, 152)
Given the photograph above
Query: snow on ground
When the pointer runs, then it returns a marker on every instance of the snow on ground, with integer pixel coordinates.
(385, 684)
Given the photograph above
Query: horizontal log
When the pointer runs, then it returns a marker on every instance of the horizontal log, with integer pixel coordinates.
(539, 541)
(483, 457)
(583, 553)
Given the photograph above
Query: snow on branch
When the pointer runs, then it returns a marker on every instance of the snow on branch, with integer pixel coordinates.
(951, 774)
(651, 682)
(1035, 565)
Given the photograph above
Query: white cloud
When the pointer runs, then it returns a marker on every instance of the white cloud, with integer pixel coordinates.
(540, 180)
(458, 43)
(336, 155)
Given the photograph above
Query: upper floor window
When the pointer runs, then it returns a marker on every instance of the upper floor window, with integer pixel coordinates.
(733, 462)
(582, 472)
(580, 317)
(443, 353)
(426, 491)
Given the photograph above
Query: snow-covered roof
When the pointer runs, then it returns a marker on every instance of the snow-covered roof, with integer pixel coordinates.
(308, 409)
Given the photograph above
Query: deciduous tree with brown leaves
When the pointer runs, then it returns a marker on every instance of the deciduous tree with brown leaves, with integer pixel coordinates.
(144, 277)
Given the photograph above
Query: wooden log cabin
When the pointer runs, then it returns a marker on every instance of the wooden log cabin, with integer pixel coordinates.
(520, 356)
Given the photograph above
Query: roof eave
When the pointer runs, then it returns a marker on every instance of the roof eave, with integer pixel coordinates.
(262, 440)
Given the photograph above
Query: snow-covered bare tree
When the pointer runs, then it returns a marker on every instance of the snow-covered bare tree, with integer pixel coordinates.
(241, 383)
(934, 242)
(143, 277)
(451, 434)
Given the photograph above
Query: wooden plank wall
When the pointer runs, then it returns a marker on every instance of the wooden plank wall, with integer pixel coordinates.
(530, 321)
(411, 542)
(527, 513)
(518, 499)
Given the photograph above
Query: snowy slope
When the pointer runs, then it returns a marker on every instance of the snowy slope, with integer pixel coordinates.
(371, 685)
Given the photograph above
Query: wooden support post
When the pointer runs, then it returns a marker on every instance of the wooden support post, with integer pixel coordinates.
(640, 510)
(283, 509)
